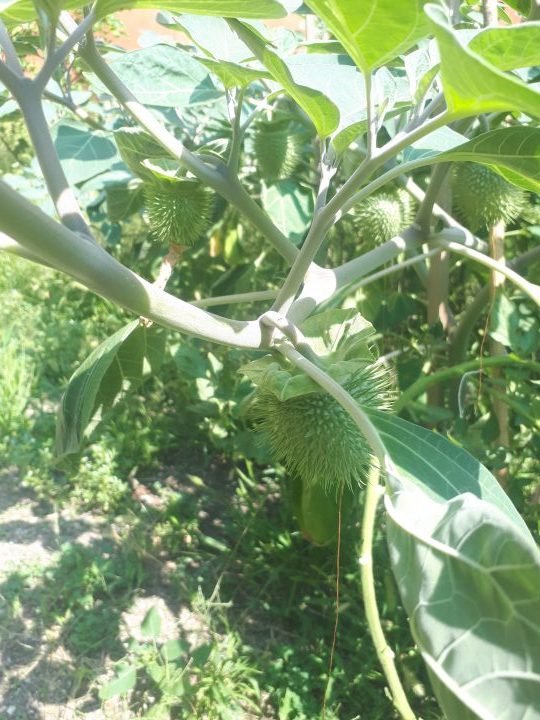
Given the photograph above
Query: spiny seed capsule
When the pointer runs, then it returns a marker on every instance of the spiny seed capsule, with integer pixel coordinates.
(483, 198)
(383, 215)
(277, 149)
(178, 212)
(315, 438)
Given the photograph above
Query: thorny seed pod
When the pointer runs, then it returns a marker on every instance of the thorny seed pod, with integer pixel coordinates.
(383, 215)
(315, 438)
(278, 150)
(178, 211)
(483, 198)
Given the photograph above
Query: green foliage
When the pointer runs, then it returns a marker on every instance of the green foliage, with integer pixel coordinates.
(483, 198)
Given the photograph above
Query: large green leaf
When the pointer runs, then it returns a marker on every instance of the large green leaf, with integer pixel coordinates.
(14, 12)
(469, 582)
(472, 85)
(373, 31)
(439, 468)
(290, 206)
(322, 111)
(467, 569)
(218, 8)
(83, 153)
(233, 74)
(514, 46)
(514, 152)
(136, 146)
(212, 35)
(165, 76)
(113, 366)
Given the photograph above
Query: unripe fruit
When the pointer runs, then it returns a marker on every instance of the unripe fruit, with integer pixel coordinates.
(278, 150)
(315, 438)
(178, 210)
(483, 198)
(383, 215)
(317, 511)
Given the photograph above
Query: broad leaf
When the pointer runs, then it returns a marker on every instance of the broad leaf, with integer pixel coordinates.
(83, 153)
(136, 147)
(20, 11)
(373, 31)
(212, 35)
(438, 468)
(98, 382)
(123, 200)
(124, 681)
(514, 152)
(511, 47)
(468, 578)
(232, 74)
(472, 85)
(164, 76)
(220, 8)
(290, 206)
(151, 624)
(323, 113)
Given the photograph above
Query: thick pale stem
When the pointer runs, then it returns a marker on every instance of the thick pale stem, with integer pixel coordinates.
(97, 270)
(373, 493)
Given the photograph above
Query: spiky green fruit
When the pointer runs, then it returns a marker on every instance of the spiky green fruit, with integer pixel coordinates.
(314, 437)
(277, 149)
(178, 211)
(483, 198)
(383, 215)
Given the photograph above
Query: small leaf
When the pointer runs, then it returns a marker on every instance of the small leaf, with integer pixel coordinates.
(174, 650)
(120, 685)
(232, 74)
(151, 624)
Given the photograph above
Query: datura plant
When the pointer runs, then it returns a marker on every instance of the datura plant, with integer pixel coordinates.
(316, 163)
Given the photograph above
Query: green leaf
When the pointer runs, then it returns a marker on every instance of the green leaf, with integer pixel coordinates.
(468, 578)
(439, 468)
(290, 206)
(136, 146)
(232, 74)
(151, 624)
(212, 35)
(21, 11)
(123, 200)
(472, 85)
(220, 8)
(511, 47)
(174, 650)
(323, 113)
(512, 328)
(373, 31)
(164, 76)
(514, 152)
(120, 685)
(83, 153)
(101, 378)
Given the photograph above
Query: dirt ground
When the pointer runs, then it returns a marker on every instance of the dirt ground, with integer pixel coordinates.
(40, 679)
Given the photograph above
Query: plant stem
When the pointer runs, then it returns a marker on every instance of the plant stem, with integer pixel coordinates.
(373, 493)
(248, 297)
(12, 59)
(446, 239)
(220, 178)
(426, 382)
(97, 270)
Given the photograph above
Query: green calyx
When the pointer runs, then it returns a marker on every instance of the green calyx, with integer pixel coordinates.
(483, 198)
(383, 215)
(178, 210)
(278, 149)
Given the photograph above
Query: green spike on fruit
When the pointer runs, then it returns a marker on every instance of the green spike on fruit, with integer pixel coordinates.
(483, 198)
(178, 211)
(277, 150)
(315, 438)
(383, 215)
